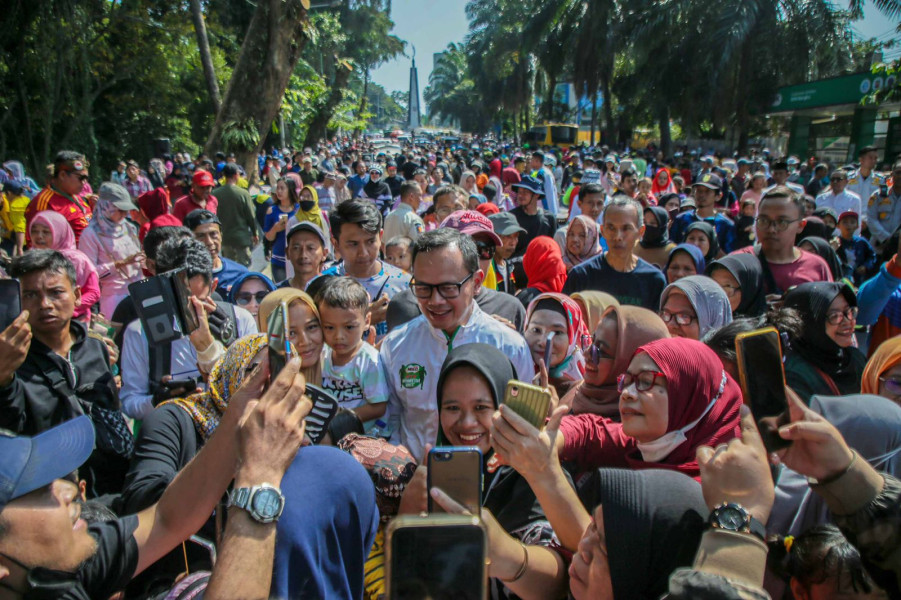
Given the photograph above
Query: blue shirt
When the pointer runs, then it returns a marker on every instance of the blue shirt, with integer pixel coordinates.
(228, 275)
(278, 245)
(355, 184)
(858, 253)
(641, 286)
(724, 227)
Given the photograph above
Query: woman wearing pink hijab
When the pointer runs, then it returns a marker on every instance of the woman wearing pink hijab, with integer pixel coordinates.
(50, 230)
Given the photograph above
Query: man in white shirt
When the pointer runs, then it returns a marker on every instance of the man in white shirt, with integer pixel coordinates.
(838, 198)
(404, 220)
(865, 181)
(446, 275)
(544, 174)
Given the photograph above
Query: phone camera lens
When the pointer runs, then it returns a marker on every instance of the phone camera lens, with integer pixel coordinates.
(514, 391)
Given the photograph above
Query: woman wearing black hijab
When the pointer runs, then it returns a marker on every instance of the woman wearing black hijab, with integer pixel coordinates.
(471, 386)
(655, 245)
(711, 248)
(821, 248)
(741, 277)
(644, 526)
(822, 360)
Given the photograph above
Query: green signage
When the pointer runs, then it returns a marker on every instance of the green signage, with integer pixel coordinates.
(848, 89)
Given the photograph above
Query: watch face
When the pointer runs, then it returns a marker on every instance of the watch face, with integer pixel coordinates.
(731, 518)
(267, 503)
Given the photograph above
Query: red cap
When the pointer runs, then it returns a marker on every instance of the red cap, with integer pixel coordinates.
(470, 222)
(203, 179)
(848, 213)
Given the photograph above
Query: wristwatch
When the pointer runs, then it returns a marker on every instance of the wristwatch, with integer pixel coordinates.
(731, 516)
(264, 502)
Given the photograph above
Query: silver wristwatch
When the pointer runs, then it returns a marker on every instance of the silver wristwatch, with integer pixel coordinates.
(264, 502)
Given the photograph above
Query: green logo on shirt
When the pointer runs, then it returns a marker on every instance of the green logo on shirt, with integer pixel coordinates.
(412, 376)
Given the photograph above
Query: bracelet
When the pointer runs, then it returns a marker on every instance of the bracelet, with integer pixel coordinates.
(835, 478)
(523, 568)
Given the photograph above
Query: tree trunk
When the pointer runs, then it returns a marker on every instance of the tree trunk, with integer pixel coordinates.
(365, 91)
(552, 84)
(608, 113)
(666, 138)
(594, 116)
(271, 49)
(318, 128)
(206, 59)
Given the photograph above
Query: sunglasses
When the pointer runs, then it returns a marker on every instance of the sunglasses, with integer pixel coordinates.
(592, 351)
(486, 249)
(244, 299)
(892, 385)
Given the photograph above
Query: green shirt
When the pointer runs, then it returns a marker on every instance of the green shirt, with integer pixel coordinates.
(236, 214)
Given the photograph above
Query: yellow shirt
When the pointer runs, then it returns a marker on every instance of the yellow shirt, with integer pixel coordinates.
(17, 207)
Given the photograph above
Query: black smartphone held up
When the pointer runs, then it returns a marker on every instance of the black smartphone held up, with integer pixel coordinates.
(759, 357)
(155, 303)
(438, 556)
(458, 473)
(279, 345)
(10, 302)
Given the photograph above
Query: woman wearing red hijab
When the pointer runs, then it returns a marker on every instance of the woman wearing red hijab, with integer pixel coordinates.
(154, 207)
(663, 183)
(544, 267)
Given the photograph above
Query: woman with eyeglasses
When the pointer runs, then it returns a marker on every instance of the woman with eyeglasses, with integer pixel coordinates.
(693, 306)
(620, 332)
(248, 292)
(741, 277)
(882, 374)
(823, 360)
(555, 320)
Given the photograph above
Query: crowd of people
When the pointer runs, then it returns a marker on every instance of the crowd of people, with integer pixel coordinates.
(418, 283)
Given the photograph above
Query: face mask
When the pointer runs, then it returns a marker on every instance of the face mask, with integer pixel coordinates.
(652, 233)
(307, 205)
(42, 583)
(663, 446)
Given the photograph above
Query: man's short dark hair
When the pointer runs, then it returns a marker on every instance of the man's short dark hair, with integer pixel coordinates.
(343, 292)
(490, 192)
(591, 188)
(42, 260)
(230, 170)
(356, 212)
(539, 155)
(446, 237)
(443, 191)
(627, 173)
(783, 191)
(866, 149)
(199, 217)
(519, 159)
(187, 253)
(408, 187)
(157, 236)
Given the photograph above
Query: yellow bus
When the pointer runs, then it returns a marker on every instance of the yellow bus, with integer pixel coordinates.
(563, 135)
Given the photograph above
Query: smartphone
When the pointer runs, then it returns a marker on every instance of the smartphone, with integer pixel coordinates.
(548, 345)
(528, 401)
(279, 346)
(174, 384)
(438, 556)
(458, 472)
(10, 302)
(188, 322)
(760, 369)
(325, 407)
(155, 303)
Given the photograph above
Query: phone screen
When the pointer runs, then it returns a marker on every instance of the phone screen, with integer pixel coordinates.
(279, 346)
(183, 294)
(10, 302)
(437, 562)
(763, 383)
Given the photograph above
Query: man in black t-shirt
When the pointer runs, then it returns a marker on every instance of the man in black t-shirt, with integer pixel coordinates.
(535, 220)
(48, 551)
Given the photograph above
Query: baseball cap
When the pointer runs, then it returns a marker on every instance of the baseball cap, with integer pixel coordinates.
(307, 226)
(30, 463)
(530, 183)
(470, 222)
(744, 161)
(117, 195)
(848, 213)
(375, 169)
(710, 180)
(199, 217)
(505, 224)
(688, 202)
(203, 179)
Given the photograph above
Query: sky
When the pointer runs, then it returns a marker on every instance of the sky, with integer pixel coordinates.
(430, 25)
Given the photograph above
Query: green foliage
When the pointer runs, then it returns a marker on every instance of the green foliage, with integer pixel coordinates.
(890, 72)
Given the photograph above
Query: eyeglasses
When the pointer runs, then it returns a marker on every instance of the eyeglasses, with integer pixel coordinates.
(486, 249)
(244, 299)
(592, 350)
(781, 224)
(644, 380)
(837, 316)
(682, 319)
(445, 290)
(892, 385)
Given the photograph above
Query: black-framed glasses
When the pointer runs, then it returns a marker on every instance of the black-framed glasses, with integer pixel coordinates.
(643, 380)
(781, 224)
(486, 249)
(445, 290)
(244, 298)
(837, 316)
(682, 319)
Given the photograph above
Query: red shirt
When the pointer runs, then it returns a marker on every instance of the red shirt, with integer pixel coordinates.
(807, 267)
(75, 209)
(186, 205)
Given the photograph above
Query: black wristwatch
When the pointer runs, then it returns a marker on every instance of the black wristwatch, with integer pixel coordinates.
(731, 516)
(263, 502)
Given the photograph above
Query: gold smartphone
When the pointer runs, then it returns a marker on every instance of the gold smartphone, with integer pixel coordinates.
(528, 401)
(277, 329)
(762, 377)
(438, 556)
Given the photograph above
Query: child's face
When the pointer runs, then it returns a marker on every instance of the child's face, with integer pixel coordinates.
(343, 329)
(748, 210)
(644, 186)
(829, 221)
(399, 256)
(848, 226)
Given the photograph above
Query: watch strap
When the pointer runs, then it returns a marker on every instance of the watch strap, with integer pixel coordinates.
(239, 498)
